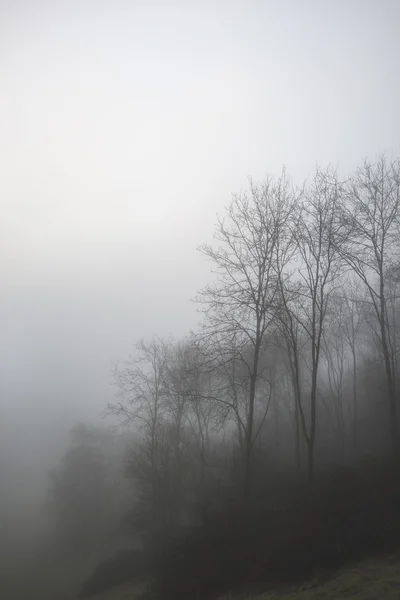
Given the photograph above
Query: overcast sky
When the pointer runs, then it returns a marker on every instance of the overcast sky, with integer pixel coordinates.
(124, 127)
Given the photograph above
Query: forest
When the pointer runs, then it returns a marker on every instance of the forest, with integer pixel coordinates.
(264, 446)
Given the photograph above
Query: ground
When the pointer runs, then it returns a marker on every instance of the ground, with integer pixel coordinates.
(369, 580)
(47, 576)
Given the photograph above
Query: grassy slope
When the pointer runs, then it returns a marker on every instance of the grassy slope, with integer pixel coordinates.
(128, 591)
(51, 578)
(370, 580)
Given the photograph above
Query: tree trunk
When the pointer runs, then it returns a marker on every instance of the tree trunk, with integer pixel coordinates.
(310, 461)
(389, 373)
(250, 419)
(297, 436)
(355, 407)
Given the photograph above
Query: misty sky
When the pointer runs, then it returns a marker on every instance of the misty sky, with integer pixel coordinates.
(124, 127)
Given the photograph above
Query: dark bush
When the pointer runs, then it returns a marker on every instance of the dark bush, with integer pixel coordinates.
(350, 513)
(127, 565)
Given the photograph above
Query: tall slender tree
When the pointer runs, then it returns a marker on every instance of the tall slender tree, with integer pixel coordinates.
(372, 216)
(239, 307)
(305, 294)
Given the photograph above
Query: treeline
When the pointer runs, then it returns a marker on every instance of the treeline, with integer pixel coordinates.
(296, 357)
(293, 369)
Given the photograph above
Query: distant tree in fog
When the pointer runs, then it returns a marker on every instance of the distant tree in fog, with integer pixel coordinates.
(161, 396)
(142, 392)
(348, 314)
(86, 489)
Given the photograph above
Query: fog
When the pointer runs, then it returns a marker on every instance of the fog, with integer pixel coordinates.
(125, 128)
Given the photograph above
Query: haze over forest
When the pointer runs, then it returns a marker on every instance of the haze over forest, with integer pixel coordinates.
(125, 129)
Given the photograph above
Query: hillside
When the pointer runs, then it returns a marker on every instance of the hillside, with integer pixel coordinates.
(369, 580)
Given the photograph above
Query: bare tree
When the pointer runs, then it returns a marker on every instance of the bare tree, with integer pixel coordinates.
(201, 412)
(287, 315)
(371, 213)
(239, 307)
(306, 292)
(142, 402)
(191, 409)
